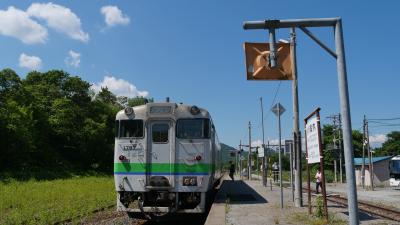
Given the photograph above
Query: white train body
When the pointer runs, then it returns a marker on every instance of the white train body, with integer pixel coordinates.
(395, 171)
(167, 158)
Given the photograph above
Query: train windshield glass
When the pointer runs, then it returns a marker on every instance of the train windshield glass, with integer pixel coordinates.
(131, 128)
(193, 128)
(395, 166)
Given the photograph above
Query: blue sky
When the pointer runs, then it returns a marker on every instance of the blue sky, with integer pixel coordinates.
(192, 52)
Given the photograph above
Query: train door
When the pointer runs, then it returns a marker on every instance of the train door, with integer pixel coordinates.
(160, 160)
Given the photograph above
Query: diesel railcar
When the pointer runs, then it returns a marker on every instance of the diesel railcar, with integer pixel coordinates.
(167, 159)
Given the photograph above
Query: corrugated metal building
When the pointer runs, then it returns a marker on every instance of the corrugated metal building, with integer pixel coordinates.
(380, 167)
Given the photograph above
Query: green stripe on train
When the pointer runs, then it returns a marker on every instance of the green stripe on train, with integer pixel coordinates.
(163, 167)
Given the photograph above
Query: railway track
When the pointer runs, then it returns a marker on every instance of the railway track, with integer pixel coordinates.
(380, 211)
(377, 210)
(69, 220)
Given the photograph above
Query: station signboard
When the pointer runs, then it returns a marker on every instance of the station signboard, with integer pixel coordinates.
(261, 152)
(312, 141)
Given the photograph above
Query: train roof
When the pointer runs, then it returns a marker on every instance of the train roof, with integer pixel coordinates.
(162, 110)
(397, 157)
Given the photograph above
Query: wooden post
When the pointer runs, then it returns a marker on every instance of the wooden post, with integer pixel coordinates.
(321, 154)
(321, 161)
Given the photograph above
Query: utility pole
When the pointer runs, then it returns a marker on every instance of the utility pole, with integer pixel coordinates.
(240, 160)
(249, 160)
(370, 167)
(296, 131)
(340, 149)
(264, 161)
(363, 155)
(236, 161)
(337, 144)
(334, 130)
(291, 170)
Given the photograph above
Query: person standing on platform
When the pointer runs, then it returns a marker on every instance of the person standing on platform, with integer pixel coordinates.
(232, 171)
(275, 170)
(318, 180)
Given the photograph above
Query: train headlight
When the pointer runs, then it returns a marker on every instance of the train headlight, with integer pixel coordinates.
(186, 181)
(189, 181)
(128, 110)
(194, 110)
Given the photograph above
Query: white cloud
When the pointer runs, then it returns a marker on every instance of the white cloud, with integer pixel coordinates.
(73, 59)
(271, 142)
(16, 23)
(119, 87)
(113, 16)
(60, 18)
(30, 62)
(377, 139)
(256, 143)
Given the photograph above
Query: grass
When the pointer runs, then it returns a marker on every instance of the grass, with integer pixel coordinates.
(46, 202)
(304, 218)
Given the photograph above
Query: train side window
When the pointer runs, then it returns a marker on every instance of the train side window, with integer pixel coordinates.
(131, 128)
(159, 133)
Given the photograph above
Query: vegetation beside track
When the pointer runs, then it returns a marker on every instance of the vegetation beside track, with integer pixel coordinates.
(47, 202)
(304, 218)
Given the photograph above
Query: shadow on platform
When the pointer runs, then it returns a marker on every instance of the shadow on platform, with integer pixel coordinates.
(238, 192)
(363, 216)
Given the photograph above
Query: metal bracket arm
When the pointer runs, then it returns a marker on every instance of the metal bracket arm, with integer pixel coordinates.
(319, 42)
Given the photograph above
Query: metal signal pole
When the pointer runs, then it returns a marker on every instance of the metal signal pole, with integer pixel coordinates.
(249, 158)
(278, 110)
(263, 145)
(280, 157)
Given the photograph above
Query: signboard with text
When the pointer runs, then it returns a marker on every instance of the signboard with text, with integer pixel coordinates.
(312, 140)
(261, 152)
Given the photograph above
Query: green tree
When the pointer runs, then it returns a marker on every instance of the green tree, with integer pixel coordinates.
(139, 100)
(51, 121)
(329, 153)
(106, 96)
(392, 145)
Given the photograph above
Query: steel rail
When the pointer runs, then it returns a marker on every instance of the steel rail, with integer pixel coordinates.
(69, 220)
(381, 211)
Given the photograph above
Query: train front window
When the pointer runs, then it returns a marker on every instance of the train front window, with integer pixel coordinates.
(193, 128)
(395, 168)
(131, 128)
(160, 133)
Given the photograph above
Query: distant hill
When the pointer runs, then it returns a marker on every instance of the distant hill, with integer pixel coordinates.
(226, 153)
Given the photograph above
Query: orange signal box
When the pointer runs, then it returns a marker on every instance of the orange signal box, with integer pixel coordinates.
(257, 63)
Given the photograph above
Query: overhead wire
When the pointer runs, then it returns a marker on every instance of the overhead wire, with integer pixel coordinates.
(277, 89)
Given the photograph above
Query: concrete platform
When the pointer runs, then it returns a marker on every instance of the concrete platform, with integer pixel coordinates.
(243, 202)
(248, 202)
